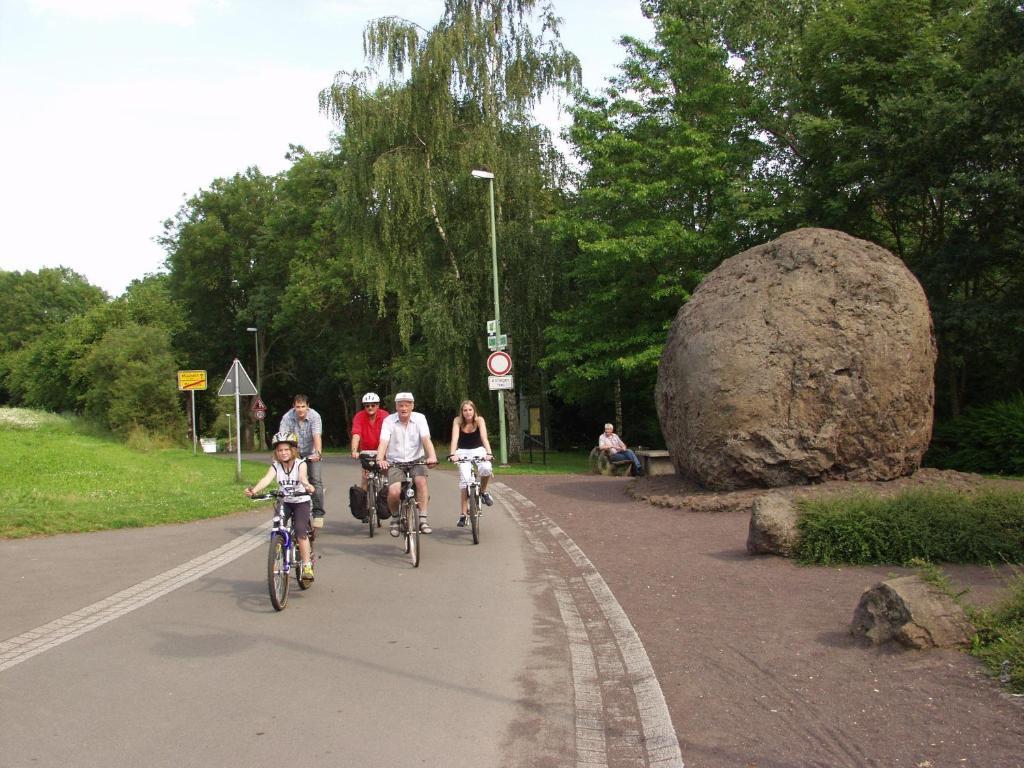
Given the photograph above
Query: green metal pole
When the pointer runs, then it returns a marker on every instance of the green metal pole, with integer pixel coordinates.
(497, 322)
(259, 387)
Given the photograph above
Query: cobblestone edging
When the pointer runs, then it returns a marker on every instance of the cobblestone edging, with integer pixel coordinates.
(621, 715)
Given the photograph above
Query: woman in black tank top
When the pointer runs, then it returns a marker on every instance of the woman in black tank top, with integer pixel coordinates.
(469, 440)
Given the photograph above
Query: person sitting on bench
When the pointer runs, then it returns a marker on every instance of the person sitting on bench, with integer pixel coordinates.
(617, 450)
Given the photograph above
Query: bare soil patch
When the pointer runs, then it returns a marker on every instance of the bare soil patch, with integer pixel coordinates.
(754, 654)
(675, 492)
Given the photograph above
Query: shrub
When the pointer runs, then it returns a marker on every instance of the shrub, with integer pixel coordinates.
(987, 439)
(999, 641)
(930, 525)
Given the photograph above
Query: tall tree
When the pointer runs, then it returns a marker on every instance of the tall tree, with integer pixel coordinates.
(453, 98)
(669, 190)
(221, 270)
(34, 307)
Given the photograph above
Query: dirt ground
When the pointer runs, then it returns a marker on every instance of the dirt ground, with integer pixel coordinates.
(753, 653)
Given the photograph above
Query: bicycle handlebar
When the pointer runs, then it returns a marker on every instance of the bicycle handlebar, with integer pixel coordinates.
(407, 464)
(268, 495)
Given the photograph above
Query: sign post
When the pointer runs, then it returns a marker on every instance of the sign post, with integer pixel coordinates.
(259, 410)
(499, 364)
(237, 383)
(191, 381)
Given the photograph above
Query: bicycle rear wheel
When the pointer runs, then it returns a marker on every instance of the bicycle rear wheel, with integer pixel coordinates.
(277, 579)
(474, 515)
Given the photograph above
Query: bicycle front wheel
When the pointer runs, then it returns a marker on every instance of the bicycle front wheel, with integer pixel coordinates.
(277, 579)
(371, 508)
(474, 515)
(413, 522)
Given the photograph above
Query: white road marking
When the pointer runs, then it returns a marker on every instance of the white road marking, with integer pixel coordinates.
(28, 644)
(660, 741)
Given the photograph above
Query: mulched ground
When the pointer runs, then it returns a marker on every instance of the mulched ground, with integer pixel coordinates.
(753, 653)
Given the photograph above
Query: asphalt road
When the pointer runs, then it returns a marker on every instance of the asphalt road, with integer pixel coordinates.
(159, 647)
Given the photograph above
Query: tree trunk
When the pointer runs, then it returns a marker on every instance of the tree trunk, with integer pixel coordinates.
(515, 440)
(619, 427)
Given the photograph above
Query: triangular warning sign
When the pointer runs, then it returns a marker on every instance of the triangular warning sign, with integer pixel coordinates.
(237, 382)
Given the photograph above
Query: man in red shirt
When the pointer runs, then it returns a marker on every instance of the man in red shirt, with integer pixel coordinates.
(366, 428)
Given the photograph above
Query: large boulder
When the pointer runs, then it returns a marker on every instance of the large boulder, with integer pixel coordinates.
(801, 360)
(910, 612)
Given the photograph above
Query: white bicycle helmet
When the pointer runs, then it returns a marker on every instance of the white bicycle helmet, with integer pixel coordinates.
(370, 397)
(286, 437)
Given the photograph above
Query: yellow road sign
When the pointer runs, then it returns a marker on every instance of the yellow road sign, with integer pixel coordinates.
(191, 380)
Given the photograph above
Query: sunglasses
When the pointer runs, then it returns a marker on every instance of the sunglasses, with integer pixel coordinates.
(371, 405)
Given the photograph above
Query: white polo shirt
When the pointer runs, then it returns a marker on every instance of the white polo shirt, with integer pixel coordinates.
(405, 441)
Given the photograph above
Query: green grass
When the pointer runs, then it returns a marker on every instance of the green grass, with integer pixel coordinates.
(937, 526)
(999, 638)
(558, 463)
(64, 477)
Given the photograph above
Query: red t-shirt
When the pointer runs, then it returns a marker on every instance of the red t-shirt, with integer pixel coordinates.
(369, 434)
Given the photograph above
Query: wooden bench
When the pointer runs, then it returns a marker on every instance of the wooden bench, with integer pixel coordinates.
(600, 464)
(656, 462)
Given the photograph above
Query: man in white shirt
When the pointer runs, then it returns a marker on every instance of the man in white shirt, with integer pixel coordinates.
(617, 450)
(405, 437)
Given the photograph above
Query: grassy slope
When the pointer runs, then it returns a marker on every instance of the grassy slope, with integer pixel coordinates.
(63, 479)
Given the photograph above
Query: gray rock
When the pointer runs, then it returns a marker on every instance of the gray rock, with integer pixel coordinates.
(773, 528)
(911, 612)
(804, 359)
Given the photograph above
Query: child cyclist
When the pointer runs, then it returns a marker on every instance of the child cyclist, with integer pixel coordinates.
(290, 473)
(469, 441)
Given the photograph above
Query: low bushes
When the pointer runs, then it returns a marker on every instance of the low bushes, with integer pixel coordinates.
(937, 526)
(999, 641)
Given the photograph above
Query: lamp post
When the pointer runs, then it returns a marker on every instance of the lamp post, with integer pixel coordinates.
(259, 387)
(476, 174)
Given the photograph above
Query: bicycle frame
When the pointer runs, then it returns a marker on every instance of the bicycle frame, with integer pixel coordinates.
(282, 526)
(375, 480)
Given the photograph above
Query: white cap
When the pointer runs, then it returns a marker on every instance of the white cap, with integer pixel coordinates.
(609, 426)
(404, 396)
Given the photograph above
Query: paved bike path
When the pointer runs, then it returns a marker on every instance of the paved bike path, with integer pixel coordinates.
(465, 661)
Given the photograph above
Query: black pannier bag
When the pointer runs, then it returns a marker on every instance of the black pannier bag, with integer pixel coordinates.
(383, 511)
(357, 502)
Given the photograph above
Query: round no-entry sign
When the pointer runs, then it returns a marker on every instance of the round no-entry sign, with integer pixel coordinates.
(499, 363)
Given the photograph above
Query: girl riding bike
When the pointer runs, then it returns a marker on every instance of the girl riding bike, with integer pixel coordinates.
(469, 440)
(290, 473)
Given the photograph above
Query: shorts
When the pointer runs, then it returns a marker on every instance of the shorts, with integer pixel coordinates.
(483, 468)
(396, 475)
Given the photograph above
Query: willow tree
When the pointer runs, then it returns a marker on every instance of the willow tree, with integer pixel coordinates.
(431, 106)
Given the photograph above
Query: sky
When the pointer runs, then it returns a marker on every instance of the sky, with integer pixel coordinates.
(117, 111)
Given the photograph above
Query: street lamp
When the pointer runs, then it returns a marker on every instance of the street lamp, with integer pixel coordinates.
(259, 388)
(477, 174)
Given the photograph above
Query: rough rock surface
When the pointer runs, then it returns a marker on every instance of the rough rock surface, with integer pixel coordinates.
(912, 612)
(801, 360)
(773, 528)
